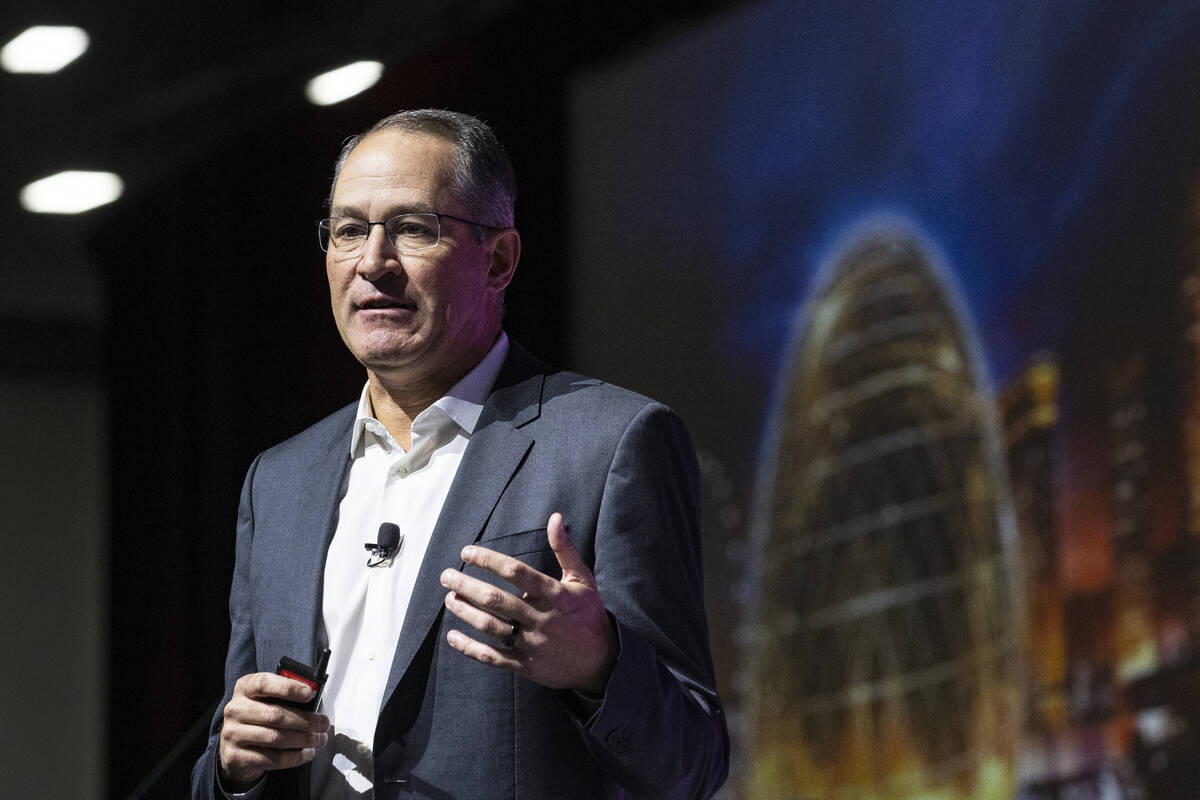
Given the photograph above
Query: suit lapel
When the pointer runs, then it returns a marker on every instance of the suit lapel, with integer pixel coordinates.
(315, 512)
(495, 452)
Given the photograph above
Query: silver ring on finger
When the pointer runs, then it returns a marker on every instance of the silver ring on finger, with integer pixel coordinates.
(510, 641)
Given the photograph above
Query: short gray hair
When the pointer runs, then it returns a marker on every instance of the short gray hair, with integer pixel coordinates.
(481, 175)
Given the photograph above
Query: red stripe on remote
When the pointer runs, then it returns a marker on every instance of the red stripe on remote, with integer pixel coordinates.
(312, 684)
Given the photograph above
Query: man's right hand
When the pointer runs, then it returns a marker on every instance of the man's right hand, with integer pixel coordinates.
(259, 735)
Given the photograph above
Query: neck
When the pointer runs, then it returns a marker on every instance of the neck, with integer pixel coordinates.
(397, 399)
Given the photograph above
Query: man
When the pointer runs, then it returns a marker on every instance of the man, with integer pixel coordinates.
(539, 631)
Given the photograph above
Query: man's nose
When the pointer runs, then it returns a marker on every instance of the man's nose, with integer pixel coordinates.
(379, 255)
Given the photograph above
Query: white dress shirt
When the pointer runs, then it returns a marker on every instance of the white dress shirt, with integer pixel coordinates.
(364, 608)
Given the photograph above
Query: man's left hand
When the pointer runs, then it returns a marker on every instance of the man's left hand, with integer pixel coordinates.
(556, 633)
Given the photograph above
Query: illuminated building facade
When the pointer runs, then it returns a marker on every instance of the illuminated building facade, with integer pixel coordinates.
(884, 648)
(1030, 414)
(1129, 475)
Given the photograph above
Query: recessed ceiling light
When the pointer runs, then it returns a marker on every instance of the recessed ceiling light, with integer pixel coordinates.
(71, 192)
(338, 84)
(44, 48)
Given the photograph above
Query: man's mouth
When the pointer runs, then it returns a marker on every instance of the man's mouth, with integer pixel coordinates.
(384, 302)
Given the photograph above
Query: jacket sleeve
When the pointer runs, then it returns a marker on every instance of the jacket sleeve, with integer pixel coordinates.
(241, 658)
(660, 730)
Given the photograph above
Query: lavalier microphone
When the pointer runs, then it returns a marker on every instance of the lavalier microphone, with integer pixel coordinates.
(386, 546)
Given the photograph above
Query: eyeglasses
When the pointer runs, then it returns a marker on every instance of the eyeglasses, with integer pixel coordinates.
(408, 233)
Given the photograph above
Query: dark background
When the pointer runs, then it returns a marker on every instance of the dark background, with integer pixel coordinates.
(219, 341)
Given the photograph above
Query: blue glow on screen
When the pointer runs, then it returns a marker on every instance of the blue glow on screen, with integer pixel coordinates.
(995, 126)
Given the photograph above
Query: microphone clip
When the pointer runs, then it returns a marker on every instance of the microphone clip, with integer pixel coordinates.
(387, 547)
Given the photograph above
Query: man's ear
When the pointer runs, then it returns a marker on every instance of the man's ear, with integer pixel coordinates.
(505, 252)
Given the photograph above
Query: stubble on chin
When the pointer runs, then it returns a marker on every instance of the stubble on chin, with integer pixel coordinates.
(386, 352)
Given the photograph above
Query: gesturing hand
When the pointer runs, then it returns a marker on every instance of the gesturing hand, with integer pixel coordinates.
(258, 735)
(556, 633)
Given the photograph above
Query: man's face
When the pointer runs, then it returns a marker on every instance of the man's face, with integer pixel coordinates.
(425, 316)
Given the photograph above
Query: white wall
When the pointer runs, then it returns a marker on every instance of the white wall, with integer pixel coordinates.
(52, 589)
(53, 536)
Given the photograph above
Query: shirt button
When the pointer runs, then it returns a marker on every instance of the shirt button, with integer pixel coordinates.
(618, 739)
(402, 472)
(370, 655)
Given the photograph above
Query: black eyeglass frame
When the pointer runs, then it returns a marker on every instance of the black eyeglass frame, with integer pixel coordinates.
(324, 228)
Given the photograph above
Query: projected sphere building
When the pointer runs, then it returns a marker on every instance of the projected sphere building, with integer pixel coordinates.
(881, 656)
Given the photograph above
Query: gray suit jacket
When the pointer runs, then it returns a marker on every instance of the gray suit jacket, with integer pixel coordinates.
(621, 469)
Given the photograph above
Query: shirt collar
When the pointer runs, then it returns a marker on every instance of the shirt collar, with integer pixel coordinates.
(463, 403)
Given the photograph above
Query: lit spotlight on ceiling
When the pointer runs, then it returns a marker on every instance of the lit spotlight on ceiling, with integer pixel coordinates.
(338, 84)
(44, 48)
(71, 192)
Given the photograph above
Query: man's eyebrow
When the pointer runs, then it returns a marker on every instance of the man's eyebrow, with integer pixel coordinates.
(394, 211)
